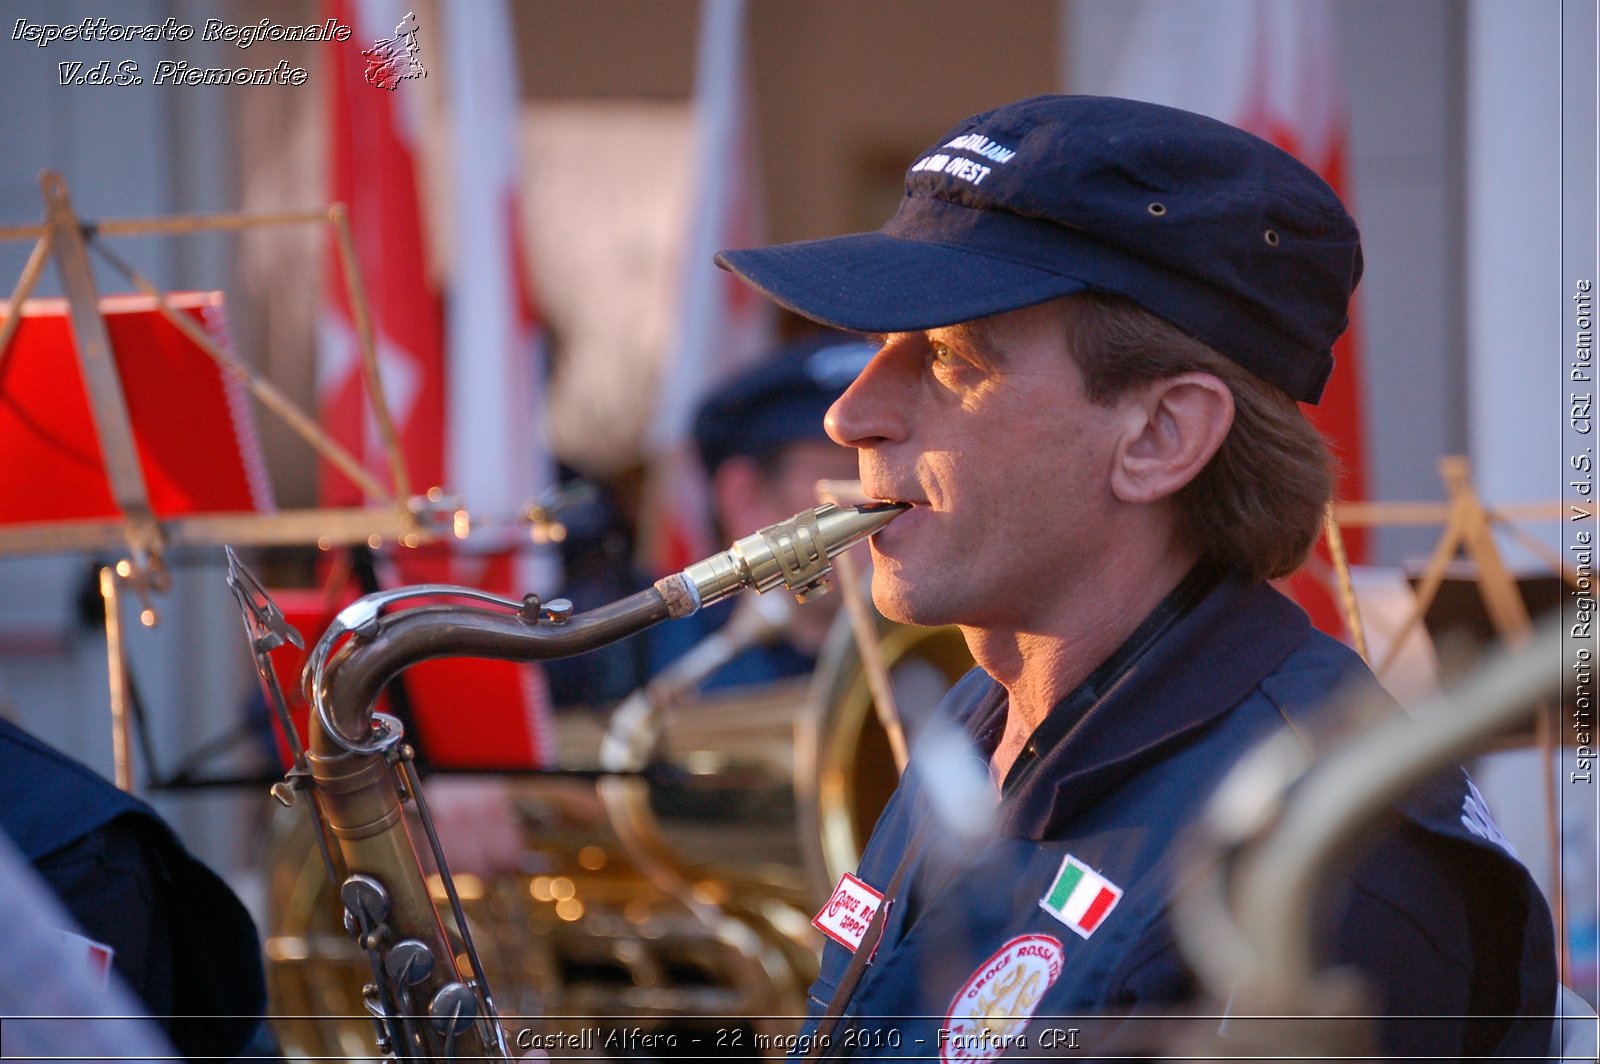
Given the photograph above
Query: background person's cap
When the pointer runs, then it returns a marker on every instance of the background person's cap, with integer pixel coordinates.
(780, 401)
(1222, 234)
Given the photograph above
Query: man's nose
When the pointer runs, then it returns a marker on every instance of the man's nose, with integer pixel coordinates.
(874, 408)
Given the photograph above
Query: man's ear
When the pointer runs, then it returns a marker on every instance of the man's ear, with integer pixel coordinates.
(1174, 426)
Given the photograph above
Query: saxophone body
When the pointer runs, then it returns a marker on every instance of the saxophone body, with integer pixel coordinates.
(429, 994)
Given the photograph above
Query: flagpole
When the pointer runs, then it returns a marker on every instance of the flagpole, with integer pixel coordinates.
(497, 455)
(716, 329)
(718, 102)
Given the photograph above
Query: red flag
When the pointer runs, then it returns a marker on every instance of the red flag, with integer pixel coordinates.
(374, 172)
(1270, 68)
(722, 325)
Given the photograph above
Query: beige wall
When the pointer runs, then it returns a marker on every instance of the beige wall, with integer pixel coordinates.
(844, 95)
(847, 93)
(845, 90)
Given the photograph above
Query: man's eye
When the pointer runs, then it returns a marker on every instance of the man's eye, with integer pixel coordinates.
(942, 353)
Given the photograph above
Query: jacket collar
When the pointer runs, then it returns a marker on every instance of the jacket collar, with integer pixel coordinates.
(1198, 668)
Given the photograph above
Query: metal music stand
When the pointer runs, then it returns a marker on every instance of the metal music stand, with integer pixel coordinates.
(142, 535)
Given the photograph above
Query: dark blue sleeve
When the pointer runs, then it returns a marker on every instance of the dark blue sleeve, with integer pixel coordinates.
(106, 883)
(1456, 937)
(1453, 944)
(184, 943)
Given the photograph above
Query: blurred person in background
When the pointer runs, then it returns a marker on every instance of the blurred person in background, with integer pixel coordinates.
(140, 904)
(761, 439)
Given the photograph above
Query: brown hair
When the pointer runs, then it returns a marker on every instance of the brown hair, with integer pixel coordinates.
(1257, 506)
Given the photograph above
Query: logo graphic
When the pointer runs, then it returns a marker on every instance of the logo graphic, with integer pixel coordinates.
(849, 912)
(1080, 897)
(1475, 817)
(98, 954)
(990, 1012)
(392, 61)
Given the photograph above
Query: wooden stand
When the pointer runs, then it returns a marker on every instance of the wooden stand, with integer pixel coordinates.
(68, 239)
(1468, 529)
(143, 535)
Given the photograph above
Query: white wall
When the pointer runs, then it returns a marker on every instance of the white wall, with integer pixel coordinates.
(1515, 300)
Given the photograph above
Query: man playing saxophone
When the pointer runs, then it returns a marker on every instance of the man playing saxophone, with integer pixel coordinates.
(1096, 317)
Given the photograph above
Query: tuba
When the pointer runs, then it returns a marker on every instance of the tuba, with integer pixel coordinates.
(429, 994)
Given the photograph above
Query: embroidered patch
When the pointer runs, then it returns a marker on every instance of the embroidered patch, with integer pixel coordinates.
(98, 954)
(991, 1011)
(1080, 897)
(1476, 818)
(848, 912)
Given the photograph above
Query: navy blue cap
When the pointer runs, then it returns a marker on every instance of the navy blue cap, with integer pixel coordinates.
(1222, 234)
(780, 401)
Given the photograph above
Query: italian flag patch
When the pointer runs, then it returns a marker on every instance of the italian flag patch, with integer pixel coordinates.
(1080, 897)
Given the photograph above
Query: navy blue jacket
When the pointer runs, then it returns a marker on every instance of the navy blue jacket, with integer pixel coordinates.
(1439, 916)
(183, 942)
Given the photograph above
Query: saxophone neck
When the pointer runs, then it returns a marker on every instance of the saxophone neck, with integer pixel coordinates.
(344, 683)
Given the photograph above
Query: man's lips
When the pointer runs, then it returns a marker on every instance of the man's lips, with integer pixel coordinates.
(883, 493)
(886, 537)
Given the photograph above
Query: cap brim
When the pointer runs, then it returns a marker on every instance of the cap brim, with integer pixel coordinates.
(878, 283)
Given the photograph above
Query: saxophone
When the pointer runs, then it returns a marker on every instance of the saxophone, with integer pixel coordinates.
(426, 1002)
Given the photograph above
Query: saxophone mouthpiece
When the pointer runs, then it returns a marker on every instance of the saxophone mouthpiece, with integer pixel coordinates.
(795, 553)
(842, 527)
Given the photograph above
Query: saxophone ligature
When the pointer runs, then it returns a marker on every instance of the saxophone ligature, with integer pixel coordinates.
(426, 1001)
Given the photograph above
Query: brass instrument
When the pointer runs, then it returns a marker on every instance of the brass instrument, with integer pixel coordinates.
(839, 753)
(427, 999)
(586, 927)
